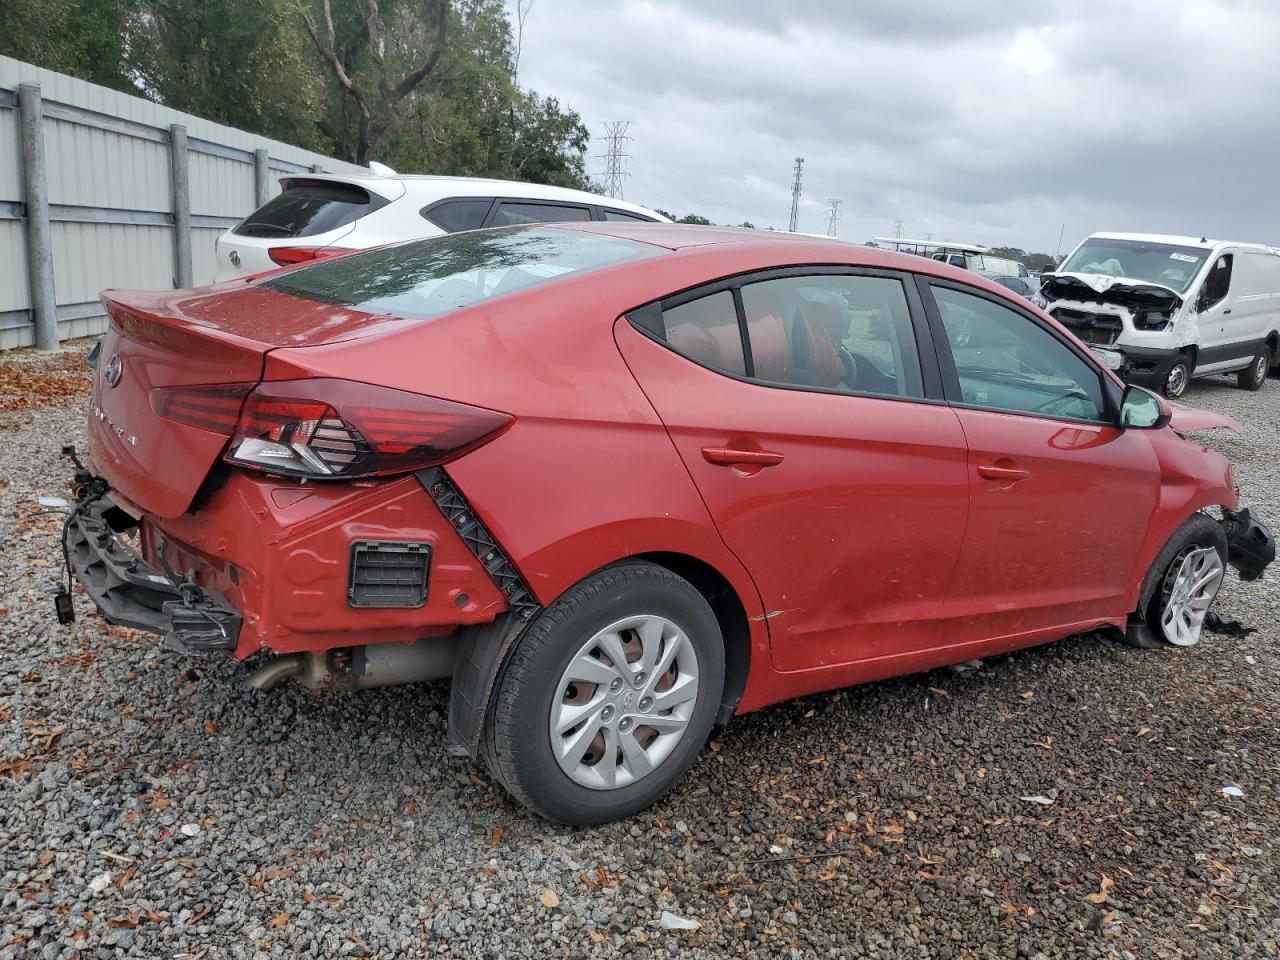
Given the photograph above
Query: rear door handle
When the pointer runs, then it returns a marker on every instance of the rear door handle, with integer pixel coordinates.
(1006, 474)
(731, 457)
(1226, 311)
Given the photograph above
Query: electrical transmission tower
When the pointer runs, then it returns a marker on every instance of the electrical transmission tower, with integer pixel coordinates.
(897, 228)
(795, 194)
(833, 217)
(615, 161)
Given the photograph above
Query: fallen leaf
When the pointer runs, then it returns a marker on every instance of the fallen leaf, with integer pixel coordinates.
(210, 726)
(1027, 694)
(280, 921)
(201, 915)
(1143, 731)
(549, 899)
(1099, 897)
(308, 896)
(495, 838)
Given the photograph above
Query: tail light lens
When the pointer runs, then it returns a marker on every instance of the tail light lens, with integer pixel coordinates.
(326, 429)
(288, 256)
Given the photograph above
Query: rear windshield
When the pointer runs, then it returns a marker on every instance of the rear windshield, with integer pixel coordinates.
(426, 278)
(309, 207)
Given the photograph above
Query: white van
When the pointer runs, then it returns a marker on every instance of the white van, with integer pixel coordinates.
(1163, 309)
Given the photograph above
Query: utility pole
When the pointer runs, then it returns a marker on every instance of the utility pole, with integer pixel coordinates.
(833, 217)
(897, 228)
(615, 161)
(795, 194)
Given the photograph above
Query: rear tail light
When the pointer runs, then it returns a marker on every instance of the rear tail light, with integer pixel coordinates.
(327, 429)
(288, 256)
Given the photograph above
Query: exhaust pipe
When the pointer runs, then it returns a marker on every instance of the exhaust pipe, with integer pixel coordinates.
(361, 668)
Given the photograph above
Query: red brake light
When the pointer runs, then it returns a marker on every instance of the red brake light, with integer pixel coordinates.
(327, 429)
(288, 256)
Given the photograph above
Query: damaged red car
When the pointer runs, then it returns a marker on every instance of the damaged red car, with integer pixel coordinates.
(623, 482)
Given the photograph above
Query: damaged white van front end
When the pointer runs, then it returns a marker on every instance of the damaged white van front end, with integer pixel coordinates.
(1162, 309)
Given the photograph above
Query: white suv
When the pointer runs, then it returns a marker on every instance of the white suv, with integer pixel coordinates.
(318, 215)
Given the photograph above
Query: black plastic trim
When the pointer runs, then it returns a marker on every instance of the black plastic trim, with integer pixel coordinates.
(479, 541)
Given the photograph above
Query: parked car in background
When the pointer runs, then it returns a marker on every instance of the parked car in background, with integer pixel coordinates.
(318, 215)
(1163, 309)
(968, 256)
(623, 481)
(1026, 287)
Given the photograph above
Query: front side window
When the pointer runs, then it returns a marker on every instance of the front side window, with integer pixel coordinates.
(427, 278)
(1218, 283)
(1006, 361)
(847, 333)
(523, 211)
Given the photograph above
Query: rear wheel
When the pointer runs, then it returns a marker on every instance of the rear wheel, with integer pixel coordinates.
(1181, 586)
(1255, 375)
(1178, 378)
(608, 696)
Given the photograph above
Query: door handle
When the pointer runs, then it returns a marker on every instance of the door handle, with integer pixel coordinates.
(1006, 474)
(731, 457)
(1226, 311)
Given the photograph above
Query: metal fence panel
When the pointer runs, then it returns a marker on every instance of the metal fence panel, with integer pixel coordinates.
(110, 169)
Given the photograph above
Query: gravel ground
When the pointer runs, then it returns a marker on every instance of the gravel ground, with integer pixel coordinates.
(150, 807)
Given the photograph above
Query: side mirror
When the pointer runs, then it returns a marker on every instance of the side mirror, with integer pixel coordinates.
(1142, 410)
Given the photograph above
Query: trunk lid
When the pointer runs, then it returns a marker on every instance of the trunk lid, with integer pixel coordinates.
(186, 338)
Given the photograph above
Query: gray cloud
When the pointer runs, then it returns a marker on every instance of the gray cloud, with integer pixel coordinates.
(992, 123)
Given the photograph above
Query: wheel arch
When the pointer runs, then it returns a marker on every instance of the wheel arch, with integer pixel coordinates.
(730, 613)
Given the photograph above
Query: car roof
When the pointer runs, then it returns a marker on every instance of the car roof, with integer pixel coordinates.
(428, 188)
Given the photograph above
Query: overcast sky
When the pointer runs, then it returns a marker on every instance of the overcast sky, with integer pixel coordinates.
(988, 123)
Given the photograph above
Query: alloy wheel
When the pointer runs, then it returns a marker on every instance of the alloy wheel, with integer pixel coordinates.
(1189, 588)
(624, 702)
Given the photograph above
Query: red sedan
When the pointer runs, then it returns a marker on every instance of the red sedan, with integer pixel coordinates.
(622, 482)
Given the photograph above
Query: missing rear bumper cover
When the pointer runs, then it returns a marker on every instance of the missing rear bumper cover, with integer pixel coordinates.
(131, 593)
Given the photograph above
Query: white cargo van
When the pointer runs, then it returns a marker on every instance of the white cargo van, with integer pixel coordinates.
(1163, 309)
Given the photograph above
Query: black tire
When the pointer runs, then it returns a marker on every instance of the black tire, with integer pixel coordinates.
(1255, 375)
(517, 741)
(1199, 530)
(1178, 378)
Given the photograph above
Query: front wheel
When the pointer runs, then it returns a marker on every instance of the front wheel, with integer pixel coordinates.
(1255, 375)
(1178, 378)
(1181, 586)
(608, 696)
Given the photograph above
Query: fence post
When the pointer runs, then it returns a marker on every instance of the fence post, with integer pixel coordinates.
(261, 177)
(179, 164)
(44, 305)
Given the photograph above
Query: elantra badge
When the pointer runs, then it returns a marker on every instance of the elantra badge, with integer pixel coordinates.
(114, 369)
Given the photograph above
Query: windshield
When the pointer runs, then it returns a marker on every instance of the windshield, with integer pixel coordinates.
(1163, 263)
(427, 278)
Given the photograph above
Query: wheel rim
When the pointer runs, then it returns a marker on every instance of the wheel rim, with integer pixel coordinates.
(624, 702)
(1177, 381)
(1190, 587)
(1260, 367)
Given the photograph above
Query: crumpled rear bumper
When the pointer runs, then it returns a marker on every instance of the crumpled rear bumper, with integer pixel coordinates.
(131, 593)
(1250, 545)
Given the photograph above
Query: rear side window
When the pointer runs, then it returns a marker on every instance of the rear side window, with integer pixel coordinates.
(620, 215)
(463, 214)
(852, 334)
(427, 278)
(307, 208)
(520, 211)
(706, 330)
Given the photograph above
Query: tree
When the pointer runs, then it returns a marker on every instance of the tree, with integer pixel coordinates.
(377, 74)
(89, 39)
(694, 218)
